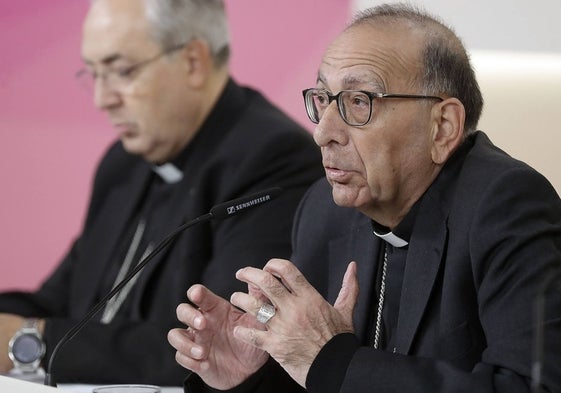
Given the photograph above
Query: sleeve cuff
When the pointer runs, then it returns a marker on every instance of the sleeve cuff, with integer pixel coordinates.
(194, 384)
(330, 365)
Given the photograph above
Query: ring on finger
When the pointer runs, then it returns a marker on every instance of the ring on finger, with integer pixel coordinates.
(265, 313)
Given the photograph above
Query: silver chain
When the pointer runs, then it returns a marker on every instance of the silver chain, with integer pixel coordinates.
(378, 330)
(115, 303)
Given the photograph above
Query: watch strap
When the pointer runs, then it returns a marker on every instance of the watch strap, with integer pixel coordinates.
(30, 326)
(31, 323)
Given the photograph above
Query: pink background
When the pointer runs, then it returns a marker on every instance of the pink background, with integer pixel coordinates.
(52, 137)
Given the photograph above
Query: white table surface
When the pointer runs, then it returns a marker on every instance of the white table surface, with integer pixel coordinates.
(19, 385)
(80, 388)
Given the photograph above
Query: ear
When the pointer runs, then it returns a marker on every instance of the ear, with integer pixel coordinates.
(448, 129)
(198, 62)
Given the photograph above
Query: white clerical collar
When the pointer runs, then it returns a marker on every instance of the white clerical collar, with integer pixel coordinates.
(168, 172)
(391, 238)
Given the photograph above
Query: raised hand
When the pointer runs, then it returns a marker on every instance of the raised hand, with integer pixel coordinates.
(303, 321)
(207, 346)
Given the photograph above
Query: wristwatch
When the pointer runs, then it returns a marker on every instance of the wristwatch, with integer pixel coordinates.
(27, 348)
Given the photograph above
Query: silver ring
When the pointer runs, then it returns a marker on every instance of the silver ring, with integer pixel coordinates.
(266, 312)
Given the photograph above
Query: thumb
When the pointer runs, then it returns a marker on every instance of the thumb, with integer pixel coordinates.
(348, 295)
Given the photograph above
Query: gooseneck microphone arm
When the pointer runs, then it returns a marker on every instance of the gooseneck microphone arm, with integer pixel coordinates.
(539, 305)
(221, 211)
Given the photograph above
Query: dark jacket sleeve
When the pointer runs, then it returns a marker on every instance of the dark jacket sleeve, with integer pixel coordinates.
(271, 378)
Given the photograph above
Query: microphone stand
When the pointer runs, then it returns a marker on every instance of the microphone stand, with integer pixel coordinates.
(537, 365)
(49, 380)
(221, 211)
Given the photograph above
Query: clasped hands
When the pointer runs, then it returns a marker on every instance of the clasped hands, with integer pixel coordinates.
(225, 344)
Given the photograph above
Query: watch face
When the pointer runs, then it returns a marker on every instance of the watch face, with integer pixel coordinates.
(27, 348)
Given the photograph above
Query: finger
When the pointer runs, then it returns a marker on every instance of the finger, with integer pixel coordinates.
(289, 275)
(190, 316)
(348, 295)
(182, 341)
(256, 292)
(203, 297)
(247, 302)
(271, 287)
(251, 336)
(197, 366)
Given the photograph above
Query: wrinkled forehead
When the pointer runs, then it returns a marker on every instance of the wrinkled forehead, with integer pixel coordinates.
(382, 58)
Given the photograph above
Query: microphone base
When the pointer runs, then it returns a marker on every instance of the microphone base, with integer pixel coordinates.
(49, 380)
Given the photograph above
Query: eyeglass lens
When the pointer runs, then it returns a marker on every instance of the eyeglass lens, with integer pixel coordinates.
(354, 106)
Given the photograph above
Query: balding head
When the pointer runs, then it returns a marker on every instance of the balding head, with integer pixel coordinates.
(446, 70)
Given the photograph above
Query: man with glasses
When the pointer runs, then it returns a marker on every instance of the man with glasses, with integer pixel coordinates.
(416, 262)
(189, 138)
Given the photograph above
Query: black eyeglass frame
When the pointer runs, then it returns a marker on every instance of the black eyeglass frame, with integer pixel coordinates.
(308, 102)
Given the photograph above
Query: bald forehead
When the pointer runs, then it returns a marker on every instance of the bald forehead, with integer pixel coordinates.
(117, 15)
(115, 27)
(382, 55)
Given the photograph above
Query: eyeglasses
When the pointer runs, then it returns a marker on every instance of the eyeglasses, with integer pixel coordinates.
(121, 77)
(355, 106)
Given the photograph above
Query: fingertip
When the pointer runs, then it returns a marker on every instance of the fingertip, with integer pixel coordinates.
(193, 293)
(197, 352)
(198, 322)
(170, 337)
(233, 297)
(275, 264)
(180, 310)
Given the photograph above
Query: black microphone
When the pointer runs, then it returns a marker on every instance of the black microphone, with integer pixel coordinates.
(221, 211)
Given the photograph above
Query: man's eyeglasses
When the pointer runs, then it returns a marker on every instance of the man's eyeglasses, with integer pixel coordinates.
(355, 106)
(121, 77)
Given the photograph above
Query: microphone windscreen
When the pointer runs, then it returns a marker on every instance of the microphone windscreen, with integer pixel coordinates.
(236, 206)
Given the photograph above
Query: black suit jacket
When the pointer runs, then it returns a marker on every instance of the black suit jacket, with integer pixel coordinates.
(487, 232)
(244, 146)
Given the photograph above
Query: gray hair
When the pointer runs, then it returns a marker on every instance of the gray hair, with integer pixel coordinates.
(446, 65)
(176, 22)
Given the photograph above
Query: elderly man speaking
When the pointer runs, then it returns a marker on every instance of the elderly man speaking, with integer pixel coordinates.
(441, 240)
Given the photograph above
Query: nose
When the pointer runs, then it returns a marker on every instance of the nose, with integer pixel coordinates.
(331, 128)
(105, 97)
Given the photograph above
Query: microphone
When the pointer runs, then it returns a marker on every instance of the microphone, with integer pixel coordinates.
(220, 212)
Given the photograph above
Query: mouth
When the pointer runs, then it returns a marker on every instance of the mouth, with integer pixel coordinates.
(336, 174)
(124, 129)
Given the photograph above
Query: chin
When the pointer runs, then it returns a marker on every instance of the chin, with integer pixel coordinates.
(345, 197)
(133, 146)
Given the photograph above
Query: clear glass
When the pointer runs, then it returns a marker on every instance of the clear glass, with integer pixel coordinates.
(127, 389)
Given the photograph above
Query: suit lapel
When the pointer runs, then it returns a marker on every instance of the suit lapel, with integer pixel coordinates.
(427, 249)
(174, 216)
(359, 245)
(120, 204)
(421, 270)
